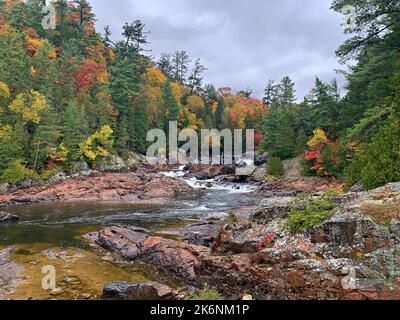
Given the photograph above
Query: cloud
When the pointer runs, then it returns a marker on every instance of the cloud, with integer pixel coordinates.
(243, 43)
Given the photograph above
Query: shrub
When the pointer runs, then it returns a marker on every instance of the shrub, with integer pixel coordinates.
(275, 167)
(311, 215)
(17, 172)
(207, 294)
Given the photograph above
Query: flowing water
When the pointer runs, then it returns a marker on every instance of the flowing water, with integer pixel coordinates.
(61, 225)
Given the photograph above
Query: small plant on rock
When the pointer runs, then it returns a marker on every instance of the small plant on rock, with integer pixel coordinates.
(207, 294)
(268, 242)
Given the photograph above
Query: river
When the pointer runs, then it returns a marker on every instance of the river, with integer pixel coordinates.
(60, 226)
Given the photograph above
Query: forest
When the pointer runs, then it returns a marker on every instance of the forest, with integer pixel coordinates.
(74, 94)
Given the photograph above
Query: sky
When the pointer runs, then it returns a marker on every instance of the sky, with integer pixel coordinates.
(243, 43)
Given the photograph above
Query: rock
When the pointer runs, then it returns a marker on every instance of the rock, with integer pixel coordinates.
(77, 167)
(58, 177)
(247, 297)
(132, 243)
(261, 159)
(112, 164)
(137, 291)
(272, 208)
(56, 292)
(205, 172)
(4, 188)
(136, 187)
(10, 273)
(7, 217)
(395, 228)
(201, 234)
(259, 174)
(358, 187)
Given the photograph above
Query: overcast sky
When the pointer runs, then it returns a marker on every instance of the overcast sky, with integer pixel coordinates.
(243, 43)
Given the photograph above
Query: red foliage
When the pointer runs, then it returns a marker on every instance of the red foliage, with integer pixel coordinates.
(86, 75)
(268, 241)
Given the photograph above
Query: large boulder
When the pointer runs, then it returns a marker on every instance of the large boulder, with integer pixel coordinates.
(176, 257)
(7, 217)
(137, 291)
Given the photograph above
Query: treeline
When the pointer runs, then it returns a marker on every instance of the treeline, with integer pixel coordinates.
(72, 94)
(357, 137)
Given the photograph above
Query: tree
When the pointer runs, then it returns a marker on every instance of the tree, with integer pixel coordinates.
(372, 19)
(286, 92)
(180, 65)
(171, 107)
(219, 112)
(196, 77)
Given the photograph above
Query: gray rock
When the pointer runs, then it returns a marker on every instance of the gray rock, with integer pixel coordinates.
(261, 159)
(136, 291)
(201, 234)
(58, 177)
(112, 164)
(358, 187)
(272, 208)
(10, 273)
(7, 217)
(77, 167)
(4, 188)
(395, 227)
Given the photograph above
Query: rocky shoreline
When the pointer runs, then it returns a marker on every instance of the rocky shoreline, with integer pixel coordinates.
(349, 256)
(352, 253)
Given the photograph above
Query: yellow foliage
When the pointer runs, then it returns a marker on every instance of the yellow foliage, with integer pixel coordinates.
(318, 138)
(177, 90)
(33, 72)
(29, 106)
(97, 144)
(5, 131)
(194, 103)
(154, 77)
(4, 90)
(60, 154)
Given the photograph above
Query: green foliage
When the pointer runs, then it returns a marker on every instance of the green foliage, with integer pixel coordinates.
(378, 162)
(16, 173)
(207, 294)
(311, 215)
(275, 167)
(49, 173)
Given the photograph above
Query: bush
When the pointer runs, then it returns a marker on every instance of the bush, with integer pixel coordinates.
(275, 167)
(17, 172)
(312, 215)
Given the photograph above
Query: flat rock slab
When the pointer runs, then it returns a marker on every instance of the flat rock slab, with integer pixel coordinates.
(176, 257)
(10, 273)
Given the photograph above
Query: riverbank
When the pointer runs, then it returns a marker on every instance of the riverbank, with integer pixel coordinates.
(183, 227)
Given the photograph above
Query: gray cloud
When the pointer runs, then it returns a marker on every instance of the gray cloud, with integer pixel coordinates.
(243, 43)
